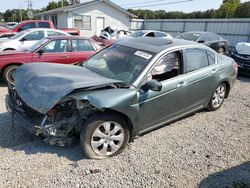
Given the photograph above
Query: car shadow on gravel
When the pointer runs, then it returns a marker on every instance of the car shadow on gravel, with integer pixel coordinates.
(18, 139)
(2, 84)
(236, 177)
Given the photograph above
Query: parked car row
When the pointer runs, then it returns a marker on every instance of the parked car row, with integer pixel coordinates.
(27, 38)
(31, 24)
(55, 49)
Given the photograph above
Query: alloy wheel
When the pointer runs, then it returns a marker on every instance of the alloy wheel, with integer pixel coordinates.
(107, 138)
(219, 96)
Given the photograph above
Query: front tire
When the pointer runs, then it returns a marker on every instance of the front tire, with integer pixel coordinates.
(218, 97)
(8, 74)
(104, 135)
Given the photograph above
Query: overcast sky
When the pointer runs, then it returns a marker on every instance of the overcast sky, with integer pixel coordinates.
(190, 6)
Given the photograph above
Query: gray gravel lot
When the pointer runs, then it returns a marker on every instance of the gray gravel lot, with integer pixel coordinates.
(207, 149)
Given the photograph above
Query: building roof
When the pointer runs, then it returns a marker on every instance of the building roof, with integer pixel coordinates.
(86, 3)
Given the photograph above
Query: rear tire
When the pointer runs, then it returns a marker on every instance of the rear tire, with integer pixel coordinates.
(8, 74)
(104, 135)
(221, 50)
(218, 97)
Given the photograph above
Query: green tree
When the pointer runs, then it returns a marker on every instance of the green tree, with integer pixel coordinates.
(227, 9)
(243, 10)
(54, 5)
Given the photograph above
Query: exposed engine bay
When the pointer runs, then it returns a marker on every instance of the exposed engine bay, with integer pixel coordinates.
(62, 123)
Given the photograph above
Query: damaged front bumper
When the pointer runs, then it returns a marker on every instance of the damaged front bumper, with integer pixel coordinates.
(36, 124)
(19, 118)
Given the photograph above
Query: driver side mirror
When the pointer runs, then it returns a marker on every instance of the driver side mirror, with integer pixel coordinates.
(23, 39)
(201, 41)
(153, 85)
(40, 52)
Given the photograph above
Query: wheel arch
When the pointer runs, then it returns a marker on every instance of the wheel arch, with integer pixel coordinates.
(9, 49)
(8, 65)
(120, 114)
(228, 88)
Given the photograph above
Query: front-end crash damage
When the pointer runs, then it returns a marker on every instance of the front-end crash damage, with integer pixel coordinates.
(44, 107)
(59, 126)
(62, 123)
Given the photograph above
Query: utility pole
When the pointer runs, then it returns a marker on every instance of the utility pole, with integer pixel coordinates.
(30, 9)
(21, 14)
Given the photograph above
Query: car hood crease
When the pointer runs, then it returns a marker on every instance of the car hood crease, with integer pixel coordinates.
(46, 83)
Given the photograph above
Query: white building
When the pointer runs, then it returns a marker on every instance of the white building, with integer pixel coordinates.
(90, 16)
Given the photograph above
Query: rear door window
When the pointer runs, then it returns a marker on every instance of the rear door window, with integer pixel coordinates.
(43, 25)
(81, 45)
(36, 35)
(195, 59)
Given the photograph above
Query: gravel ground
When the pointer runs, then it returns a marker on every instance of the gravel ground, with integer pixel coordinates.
(207, 149)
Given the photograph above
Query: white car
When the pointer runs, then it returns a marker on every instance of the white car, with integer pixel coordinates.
(114, 33)
(27, 38)
(150, 33)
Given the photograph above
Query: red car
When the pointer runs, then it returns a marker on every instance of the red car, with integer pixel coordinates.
(4, 32)
(59, 49)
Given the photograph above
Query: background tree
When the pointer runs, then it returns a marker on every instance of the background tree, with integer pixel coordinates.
(227, 9)
(243, 10)
(54, 5)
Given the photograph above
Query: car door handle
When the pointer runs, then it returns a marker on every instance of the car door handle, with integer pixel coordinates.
(213, 71)
(181, 84)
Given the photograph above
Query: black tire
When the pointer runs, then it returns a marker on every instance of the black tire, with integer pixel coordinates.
(221, 50)
(211, 105)
(8, 74)
(94, 123)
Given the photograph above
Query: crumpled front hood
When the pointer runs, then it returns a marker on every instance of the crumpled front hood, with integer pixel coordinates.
(42, 85)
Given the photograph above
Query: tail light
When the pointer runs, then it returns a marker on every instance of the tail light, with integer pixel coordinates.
(235, 66)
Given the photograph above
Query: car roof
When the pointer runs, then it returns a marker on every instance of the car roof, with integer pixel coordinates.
(44, 29)
(67, 37)
(200, 32)
(151, 31)
(153, 44)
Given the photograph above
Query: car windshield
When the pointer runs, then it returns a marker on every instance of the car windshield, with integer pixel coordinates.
(37, 45)
(138, 34)
(189, 36)
(120, 63)
(19, 34)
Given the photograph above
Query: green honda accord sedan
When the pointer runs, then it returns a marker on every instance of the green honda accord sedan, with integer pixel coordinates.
(130, 88)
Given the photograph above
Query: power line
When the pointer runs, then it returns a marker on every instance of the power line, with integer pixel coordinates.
(152, 5)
